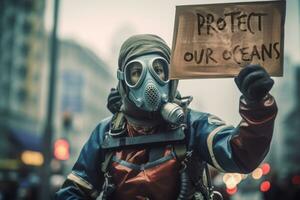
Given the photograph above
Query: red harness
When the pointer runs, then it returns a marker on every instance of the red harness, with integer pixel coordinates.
(137, 176)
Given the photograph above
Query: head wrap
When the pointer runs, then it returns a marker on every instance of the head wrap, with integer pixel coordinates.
(139, 45)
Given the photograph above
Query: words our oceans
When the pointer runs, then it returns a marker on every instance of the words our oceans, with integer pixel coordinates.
(234, 22)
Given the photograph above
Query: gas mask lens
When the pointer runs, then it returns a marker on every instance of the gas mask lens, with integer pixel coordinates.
(161, 67)
(133, 72)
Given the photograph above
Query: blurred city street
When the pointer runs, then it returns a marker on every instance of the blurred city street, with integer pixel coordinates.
(58, 63)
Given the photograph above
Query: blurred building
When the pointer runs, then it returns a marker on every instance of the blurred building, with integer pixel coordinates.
(284, 149)
(21, 58)
(284, 154)
(291, 139)
(83, 84)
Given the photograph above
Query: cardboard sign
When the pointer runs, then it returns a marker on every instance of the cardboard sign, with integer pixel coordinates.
(218, 40)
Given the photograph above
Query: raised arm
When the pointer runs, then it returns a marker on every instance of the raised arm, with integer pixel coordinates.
(239, 149)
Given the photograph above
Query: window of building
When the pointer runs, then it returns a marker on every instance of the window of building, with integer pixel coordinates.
(27, 26)
(25, 49)
(22, 95)
(11, 20)
(22, 71)
(28, 5)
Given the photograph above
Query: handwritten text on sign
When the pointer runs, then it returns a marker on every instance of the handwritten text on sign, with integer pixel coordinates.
(218, 40)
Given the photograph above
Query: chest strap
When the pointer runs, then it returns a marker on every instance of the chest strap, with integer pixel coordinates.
(145, 166)
(120, 142)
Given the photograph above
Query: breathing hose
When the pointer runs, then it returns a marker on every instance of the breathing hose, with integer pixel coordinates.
(184, 185)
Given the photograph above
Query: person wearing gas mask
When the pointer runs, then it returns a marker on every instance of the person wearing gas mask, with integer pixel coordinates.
(154, 146)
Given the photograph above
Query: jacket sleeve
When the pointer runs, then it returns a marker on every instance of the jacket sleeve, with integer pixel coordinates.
(239, 149)
(86, 177)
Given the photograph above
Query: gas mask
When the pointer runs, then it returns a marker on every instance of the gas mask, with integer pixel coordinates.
(148, 96)
(146, 78)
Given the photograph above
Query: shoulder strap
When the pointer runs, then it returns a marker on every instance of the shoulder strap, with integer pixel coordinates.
(105, 163)
(118, 124)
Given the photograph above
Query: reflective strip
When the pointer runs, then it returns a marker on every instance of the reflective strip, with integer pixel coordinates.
(243, 124)
(210, 139)
(80, 181)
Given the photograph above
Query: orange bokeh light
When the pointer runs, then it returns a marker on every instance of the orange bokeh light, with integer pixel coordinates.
(61, 149)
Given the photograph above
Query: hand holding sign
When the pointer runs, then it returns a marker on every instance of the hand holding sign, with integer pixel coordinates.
(254, 83)
(218, 40)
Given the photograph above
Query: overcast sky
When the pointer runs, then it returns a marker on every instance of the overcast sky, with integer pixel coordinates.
(103, 25)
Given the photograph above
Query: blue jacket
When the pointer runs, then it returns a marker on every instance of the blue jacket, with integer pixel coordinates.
(223, 146)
